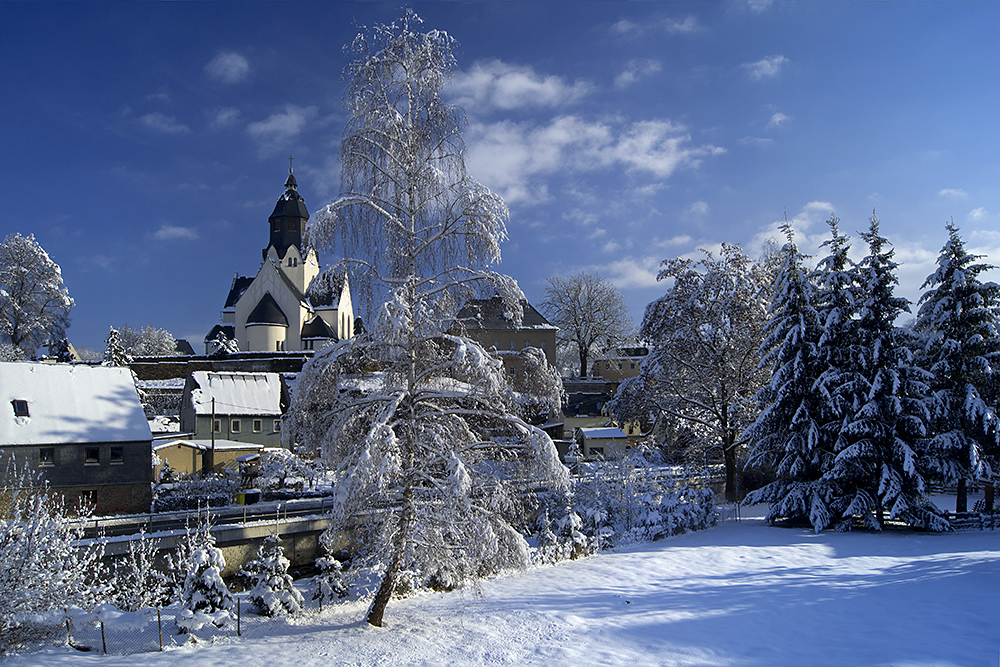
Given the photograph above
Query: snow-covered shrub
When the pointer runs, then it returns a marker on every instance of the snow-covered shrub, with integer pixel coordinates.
(272, 590)
(561, 538)
(215, 490)
(629, 500)
(330, 584)
(204, 592)
(138, 584)
(282, 469)
(41, 568)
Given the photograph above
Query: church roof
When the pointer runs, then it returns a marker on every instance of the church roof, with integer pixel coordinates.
(490, 314)
(317, 328)
(240, 285)
(267, 311)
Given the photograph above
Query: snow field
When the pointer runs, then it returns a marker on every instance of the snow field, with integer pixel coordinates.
(739, 594)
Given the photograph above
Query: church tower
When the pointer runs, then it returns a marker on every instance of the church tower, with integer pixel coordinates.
(285, 249)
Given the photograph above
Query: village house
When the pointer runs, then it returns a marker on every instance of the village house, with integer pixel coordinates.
(82, 429)
(487, 322)
(234, 406)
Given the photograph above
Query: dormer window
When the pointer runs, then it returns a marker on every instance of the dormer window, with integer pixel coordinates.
(20, 407)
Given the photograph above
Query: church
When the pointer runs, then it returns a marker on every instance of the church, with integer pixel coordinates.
(289, 305)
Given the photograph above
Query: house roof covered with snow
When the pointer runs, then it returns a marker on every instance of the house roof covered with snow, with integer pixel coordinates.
(42, 404)
(491, 314)
(236, 393)
(604, 433)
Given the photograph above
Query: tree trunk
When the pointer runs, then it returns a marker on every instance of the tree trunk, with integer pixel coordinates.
(989, 493)
(962, 497)
(583, 361)
(731, 492)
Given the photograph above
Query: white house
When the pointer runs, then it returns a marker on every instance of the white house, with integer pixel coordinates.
(238, 407)
(275, 310)
(82, 428)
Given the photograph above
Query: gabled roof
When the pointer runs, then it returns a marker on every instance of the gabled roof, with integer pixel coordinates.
(317, 328)
(235, 393)
(491, 314)
(70, 404)
(267, 311)
(228, 329)
(604, 433)
(240, 285)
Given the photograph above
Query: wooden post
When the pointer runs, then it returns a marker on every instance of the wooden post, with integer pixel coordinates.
(104, 644)
(239, 632)
(159, 627)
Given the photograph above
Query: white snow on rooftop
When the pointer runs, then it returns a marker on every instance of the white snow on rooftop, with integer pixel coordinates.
(604, 432)
(206, 445)
(69, 404)
(237, 393)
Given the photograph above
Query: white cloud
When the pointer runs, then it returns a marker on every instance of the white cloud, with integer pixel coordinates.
(699, 208)
(611, 246)
(636, 70)
(759, 6)
(671, 26)
(630, 272)
(765, 68)
(495, 84)
(173, 233)
(228, 67)
(163, 123)
(509, 157)
(756, 141)
(777, 120)
(808, 225)
(674, 241)
(275, 132)
(978, 213)
(224, 117)
(955, 193)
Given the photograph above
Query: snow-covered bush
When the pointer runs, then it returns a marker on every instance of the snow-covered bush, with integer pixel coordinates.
(138, 584)
(41, 568)
(204, 595)
(330, 582)
(272, 590)
(216, 490)
(282, 469)
(628, 500)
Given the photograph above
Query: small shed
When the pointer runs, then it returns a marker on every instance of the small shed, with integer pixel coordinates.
(187, 457)
(605, 442)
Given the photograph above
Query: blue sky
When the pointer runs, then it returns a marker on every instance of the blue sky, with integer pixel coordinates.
(145, 143)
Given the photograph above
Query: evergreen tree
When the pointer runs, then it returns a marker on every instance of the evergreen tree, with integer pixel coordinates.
(877, 466)
(272, 590)
(114, 350)
(959, 345)
(330, 582)
(788, 433)
(204, 591)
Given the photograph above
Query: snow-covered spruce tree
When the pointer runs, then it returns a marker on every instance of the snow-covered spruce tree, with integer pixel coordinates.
(330, 583)
(272, 590)
(705, 334)
(959, 345)
(788, 433)
(431, 438)
(115, 353)
(205, 596)
(877, 467)
(41, 568)
(34, 303)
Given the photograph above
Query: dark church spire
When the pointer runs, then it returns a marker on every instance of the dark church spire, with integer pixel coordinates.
(288, 219)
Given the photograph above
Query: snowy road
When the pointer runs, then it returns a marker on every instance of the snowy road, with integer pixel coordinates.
(740, 594)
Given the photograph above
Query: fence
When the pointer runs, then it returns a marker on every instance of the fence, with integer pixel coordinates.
(152, 630)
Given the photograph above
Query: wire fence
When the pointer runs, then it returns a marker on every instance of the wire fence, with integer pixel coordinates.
(157, 629)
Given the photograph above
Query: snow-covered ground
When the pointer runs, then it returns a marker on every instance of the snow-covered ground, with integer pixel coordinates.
(738, 594)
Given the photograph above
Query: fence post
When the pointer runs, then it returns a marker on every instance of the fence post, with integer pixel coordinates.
(159, 627)
(104, 644)
(239, 629)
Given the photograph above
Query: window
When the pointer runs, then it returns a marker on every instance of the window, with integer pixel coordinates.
(234, 426)
(277, 425)
(607, 366)
(92, 456)
(275, 226)
(20, 407)
(258, 425)
(527, 343)
(512, 344)
(293, 225)
(632, 366)
(217, 426)
(513, 371)
(47, 456)
(542, 342)
(619, 365)
(496, 343)
(117, 455)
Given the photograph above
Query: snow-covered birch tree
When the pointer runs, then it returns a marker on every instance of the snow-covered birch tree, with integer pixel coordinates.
(420, 424)
(703, 366)
(34, 303)
(960, 346)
